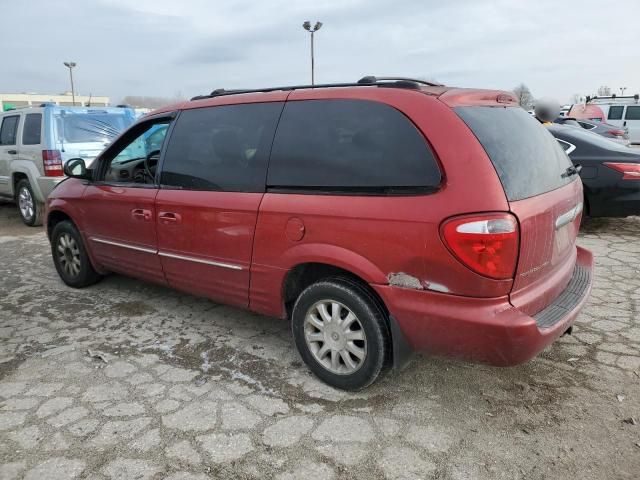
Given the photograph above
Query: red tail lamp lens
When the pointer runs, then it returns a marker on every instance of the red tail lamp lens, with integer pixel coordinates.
(487, 244)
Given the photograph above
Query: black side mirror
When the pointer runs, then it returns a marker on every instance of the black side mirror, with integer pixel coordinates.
(76, 168)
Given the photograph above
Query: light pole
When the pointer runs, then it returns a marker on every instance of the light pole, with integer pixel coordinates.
(70, 66)
(622, 89)
(307, 26)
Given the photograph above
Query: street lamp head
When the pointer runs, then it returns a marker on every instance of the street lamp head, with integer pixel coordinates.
(307, 25)
(70, 64)
(317, 26)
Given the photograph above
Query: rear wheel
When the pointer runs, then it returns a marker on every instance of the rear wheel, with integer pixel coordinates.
(341, 333)
(70, 256)
(29, 208)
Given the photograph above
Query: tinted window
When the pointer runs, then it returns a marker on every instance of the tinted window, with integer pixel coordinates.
(221, 148)
(343, 144)
(32, 128)
(527, 158)
(587, 126)
(633, 113)
(615, 113)
(8, 130)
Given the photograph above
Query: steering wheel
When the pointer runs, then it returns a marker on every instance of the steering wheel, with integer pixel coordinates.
(150, 162)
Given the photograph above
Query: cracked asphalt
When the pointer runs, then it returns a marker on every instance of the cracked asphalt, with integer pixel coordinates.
(126, 380)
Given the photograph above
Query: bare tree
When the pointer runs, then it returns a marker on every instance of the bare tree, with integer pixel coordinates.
(604, 91)
(524, 96)
(149, 102)
(576, 98)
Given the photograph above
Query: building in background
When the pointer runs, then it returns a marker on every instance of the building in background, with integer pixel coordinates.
(16, 100)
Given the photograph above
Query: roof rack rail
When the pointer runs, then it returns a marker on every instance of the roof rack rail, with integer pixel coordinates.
(369, 81)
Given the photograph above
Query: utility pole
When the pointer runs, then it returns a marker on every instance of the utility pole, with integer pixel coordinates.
(307, 26)
(70, 66)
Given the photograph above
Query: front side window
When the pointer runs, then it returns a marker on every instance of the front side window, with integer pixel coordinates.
(223, 148)
(136, 160)
(32, 129)
(8, 130)
(615, 113)
(633, 113)
(350, 145)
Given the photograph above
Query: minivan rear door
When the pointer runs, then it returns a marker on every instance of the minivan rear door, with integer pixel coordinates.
(544, 193)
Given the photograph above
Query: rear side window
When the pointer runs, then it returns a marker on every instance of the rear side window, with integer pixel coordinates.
(8, 130)
(351, 145)
(32, 128)
(222, 148)
(615, 113)
(633, 113)
(526, 156)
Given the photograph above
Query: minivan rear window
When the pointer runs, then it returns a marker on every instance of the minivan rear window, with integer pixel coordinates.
(350, 146)
(526, 156)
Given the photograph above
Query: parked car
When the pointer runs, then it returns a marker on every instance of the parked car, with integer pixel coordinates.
(35, 143)
(619, 135)
(610, 172)
(381, 217)
(619, 111)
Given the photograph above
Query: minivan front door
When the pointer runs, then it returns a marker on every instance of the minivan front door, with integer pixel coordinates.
(212, 183)
(119, 206)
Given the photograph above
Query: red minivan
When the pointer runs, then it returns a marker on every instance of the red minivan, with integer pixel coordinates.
(381, 218)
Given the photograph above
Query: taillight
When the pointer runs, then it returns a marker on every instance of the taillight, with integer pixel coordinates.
(52, 160)
(486, 243)
(630, 171)
(616, 133)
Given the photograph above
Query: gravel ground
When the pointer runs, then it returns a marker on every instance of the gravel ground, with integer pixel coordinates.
(129, 380)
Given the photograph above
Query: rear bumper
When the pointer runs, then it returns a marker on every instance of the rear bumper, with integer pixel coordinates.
(619, 200)
(46, 185)
(485, 330)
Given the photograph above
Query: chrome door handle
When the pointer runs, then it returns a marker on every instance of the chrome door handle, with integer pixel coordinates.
(169, 217)
(141, 214)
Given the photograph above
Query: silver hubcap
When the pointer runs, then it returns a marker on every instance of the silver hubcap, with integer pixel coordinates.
(69, 254)
(25, 203)
(335, 337)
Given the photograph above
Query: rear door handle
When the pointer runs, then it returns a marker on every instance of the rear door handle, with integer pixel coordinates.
(169, 217)
(141, 214)
(12, 152)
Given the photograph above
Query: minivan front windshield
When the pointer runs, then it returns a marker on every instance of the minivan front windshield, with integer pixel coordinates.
(90, 127)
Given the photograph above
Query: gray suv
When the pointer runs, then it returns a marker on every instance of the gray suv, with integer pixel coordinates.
(36, 142)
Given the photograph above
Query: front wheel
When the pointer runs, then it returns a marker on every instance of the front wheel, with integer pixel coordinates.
(70, 256)
(29, 208)
(341, 333)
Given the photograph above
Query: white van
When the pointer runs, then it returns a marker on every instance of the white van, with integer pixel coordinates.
(623, 112)
(35, 143)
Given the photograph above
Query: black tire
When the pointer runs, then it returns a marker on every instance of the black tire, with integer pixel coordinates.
(81, 274)
(372, 320)
(35, 219)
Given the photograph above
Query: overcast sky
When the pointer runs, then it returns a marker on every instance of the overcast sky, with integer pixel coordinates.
(189, 47)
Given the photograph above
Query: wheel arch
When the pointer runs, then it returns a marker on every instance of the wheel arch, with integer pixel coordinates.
(305, 274)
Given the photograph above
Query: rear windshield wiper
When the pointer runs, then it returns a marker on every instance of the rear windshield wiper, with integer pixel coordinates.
(572, 170)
